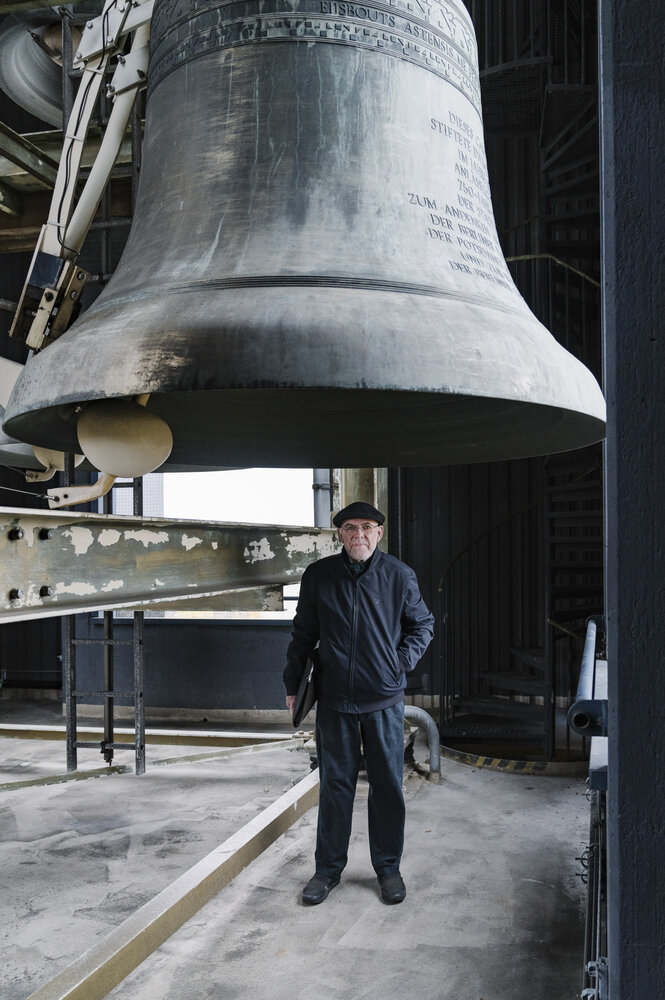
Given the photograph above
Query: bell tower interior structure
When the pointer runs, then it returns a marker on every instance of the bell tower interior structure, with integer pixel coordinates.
(514, 554)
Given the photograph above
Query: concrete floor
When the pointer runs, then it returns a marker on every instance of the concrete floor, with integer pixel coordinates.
(494, 909)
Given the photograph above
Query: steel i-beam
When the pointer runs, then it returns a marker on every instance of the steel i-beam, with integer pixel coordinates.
(60, 563)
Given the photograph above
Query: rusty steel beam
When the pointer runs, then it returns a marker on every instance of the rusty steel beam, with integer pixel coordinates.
(27, 156)
(11, 203)
(243, 599)
(60, 563)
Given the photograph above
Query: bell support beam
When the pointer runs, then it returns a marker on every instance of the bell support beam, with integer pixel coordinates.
(64, 563)
(17, 6)
(20, 151)
(11, 203)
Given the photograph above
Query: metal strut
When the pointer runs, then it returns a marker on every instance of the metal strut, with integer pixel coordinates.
(108, 643)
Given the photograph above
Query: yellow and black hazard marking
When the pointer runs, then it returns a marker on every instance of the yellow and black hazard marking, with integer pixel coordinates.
(515, 766)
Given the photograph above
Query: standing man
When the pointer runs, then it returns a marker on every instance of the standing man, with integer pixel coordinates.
(364, 609)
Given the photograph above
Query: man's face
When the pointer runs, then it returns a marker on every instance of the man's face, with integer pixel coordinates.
(360, 537)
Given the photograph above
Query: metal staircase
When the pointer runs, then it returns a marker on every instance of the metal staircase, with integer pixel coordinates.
(515, 600)
(514, 623)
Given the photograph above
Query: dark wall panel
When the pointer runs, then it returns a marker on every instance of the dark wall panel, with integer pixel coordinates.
(194, 665)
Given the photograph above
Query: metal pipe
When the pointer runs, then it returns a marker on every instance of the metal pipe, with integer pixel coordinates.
(588, 713)
(420, 715)
(114, 134)
(322, 497)
(587, 670)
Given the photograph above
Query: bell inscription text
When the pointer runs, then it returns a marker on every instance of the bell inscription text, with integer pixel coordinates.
(433, 35)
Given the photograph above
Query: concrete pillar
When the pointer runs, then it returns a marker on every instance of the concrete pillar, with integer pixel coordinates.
(370, 485)
(632, 66)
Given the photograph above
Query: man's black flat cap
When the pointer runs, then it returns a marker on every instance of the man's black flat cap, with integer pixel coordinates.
(358, 509)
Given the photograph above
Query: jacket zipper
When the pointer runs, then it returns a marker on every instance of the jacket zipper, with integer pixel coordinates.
(354, 626)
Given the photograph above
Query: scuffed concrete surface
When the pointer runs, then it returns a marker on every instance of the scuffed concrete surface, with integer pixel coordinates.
(494, 909)
(79, 857)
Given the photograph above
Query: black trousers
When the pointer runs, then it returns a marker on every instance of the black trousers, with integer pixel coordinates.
(338, 741)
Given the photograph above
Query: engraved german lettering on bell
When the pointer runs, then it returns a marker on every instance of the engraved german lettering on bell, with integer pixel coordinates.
(430, 34)
(313, 275)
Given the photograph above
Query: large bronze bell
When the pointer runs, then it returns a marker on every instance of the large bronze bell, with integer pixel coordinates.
(313, 275)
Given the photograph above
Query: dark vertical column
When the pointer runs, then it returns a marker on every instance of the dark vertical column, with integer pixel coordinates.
(69, 685)
(632, 87)
(109, 685)
(68, 475)
(109, 668)
(139, 658)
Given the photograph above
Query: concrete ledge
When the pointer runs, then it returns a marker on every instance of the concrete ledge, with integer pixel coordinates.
(157, 714)
(166, 737)
(227, 754)
(102, 967)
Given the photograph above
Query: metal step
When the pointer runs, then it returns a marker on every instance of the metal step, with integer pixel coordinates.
(499, 708)
(583, 489)
(576, 614)
(575, 518)
(534, 656)
(576, 549)
(577, 568)
(517, 683)
(583, 590)
(482, 729)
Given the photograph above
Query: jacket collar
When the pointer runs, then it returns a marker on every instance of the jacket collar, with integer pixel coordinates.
(369, 563)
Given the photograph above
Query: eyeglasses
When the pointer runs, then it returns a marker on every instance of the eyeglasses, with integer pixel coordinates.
(363, 529)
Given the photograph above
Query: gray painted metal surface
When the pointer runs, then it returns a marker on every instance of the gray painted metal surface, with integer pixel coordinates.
(314, 276)
(56, 564)
(633, 146)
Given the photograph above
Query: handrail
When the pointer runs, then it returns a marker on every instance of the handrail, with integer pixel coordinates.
(485, 535)
(588, 713)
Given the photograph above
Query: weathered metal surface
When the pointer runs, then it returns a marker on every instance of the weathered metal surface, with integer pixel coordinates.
(314, 276)
(242, 599)
(60, 563)
(27, 156)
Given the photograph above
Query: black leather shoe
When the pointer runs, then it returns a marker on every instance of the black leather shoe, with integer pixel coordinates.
(392, 885)
(318, 888)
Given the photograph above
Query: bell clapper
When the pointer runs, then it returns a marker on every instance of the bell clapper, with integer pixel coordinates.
(123, 438)
(120, 438)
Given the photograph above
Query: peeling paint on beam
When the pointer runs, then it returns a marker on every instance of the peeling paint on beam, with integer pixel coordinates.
(244, 599)
(58, 563)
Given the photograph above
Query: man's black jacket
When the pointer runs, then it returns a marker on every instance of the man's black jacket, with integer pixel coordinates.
(372, 629)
